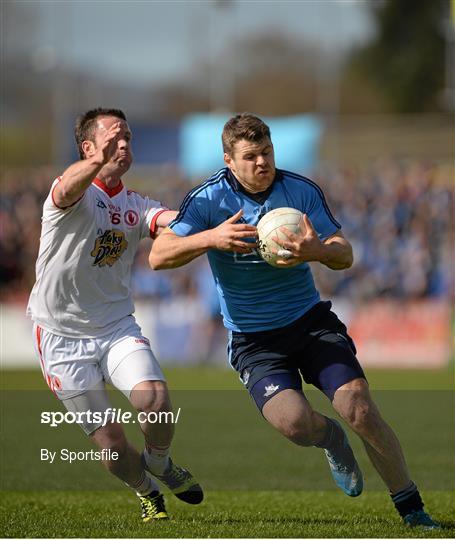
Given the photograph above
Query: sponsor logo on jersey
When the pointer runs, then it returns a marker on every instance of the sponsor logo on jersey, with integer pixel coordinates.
(131, 218)
(142, 340)
(248, 258)
(100, 204)
(109, 247)
(271, 389)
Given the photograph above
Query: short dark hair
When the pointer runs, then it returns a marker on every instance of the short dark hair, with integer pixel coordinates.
(243, 126)
(85, 125)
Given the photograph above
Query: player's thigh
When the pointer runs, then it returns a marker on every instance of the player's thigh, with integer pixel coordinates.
(330, 361)
(290, 412)
(70, 366)
(97, 418)
(92, 408)
(262, 361)
(129, 361)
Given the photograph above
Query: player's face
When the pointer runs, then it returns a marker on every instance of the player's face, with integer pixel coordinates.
(253, 163)
(123, 158)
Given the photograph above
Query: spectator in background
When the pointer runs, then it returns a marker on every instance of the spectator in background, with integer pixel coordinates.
(211, 329)
(23, 193)
(407, 209)
(146, 285)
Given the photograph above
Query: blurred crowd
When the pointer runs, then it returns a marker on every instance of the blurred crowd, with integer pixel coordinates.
(397, 214)
(399, 217)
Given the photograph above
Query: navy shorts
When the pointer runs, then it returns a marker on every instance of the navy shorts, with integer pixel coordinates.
(316, 347)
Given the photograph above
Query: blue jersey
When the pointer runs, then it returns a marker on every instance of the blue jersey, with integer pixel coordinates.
(255, 296)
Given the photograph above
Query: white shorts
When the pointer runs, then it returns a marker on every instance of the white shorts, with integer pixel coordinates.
(73, 366)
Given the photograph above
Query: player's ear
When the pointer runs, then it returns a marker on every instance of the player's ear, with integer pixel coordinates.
(88, 148)
(227, 159)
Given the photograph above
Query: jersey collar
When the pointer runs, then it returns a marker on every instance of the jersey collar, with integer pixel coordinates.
(112, 192)
(260, 197)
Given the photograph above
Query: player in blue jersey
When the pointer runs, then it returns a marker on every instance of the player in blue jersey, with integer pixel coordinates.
(279, 329)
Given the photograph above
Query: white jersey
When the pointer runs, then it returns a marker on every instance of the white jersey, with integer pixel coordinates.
(83, 271)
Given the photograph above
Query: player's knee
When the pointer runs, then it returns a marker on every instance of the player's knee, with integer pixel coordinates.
(155, 403)
(151, 396)
(362, 416)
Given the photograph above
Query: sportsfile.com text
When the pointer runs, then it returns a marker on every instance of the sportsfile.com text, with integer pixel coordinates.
(55, 418)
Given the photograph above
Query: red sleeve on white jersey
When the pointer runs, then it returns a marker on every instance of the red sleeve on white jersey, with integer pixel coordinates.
(153, 225)
(149, 210)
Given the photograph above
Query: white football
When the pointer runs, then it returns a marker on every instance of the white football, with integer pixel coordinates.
(269, 227)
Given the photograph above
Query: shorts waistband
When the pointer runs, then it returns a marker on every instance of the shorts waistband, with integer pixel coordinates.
(309, 318)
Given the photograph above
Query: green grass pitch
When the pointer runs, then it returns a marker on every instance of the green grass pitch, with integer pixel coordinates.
(257, 483)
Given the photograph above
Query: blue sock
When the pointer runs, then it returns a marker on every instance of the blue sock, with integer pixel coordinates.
(333, 435)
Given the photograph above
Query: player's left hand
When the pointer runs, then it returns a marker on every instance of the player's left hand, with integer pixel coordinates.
(304, 246)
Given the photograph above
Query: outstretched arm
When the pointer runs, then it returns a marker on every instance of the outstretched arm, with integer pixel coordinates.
(335, 252)
(78, 176)
(170, 250)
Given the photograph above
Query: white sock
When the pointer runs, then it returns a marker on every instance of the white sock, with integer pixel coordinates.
(145, 485)
(156, 458)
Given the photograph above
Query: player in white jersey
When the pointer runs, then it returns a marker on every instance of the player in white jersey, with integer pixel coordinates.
(84, 332)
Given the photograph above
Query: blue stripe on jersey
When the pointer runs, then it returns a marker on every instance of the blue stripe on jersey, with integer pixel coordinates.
(318, 189)
(217, 177)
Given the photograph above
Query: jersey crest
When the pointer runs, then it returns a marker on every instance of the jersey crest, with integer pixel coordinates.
(109, 247)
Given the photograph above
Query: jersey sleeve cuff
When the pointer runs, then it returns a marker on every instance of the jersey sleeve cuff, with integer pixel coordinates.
(153, 225)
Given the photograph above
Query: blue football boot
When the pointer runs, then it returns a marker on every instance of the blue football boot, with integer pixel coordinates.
(419, 518)
(344, 467)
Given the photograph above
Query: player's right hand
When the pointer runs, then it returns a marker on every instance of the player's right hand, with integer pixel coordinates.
(109, 143)
(229, 235)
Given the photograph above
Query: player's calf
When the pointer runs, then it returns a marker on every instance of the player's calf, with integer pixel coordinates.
(129, 468)
(127, 464)
(151, 400)
(112, 437)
